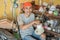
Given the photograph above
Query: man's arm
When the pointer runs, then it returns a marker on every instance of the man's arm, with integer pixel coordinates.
(25, 26)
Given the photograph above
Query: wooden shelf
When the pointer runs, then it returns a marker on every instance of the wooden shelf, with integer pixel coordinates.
(52, 32)
(6, 24)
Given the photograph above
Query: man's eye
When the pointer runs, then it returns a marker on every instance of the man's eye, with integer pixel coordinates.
(26, 8)
(30, 7)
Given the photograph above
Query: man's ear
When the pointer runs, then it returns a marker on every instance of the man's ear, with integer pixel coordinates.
(23, 10)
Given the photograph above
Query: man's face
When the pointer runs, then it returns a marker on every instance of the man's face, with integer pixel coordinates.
(28, 10)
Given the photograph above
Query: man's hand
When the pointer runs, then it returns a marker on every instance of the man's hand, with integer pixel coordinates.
(36, 22)
(43, 35)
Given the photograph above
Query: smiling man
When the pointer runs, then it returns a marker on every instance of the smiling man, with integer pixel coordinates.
(26, 22)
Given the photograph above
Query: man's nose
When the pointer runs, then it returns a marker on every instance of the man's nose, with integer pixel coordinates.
(28, 9)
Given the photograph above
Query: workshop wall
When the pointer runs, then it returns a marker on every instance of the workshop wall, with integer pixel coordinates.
(9, 3)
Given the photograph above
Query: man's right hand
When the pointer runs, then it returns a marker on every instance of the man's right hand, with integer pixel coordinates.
(36, 22)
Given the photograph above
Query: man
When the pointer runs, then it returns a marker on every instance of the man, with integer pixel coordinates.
(26, 22)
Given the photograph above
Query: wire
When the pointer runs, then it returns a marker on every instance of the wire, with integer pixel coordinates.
(15, 17)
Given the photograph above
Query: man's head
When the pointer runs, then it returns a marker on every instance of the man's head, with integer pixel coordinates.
(27, 7)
